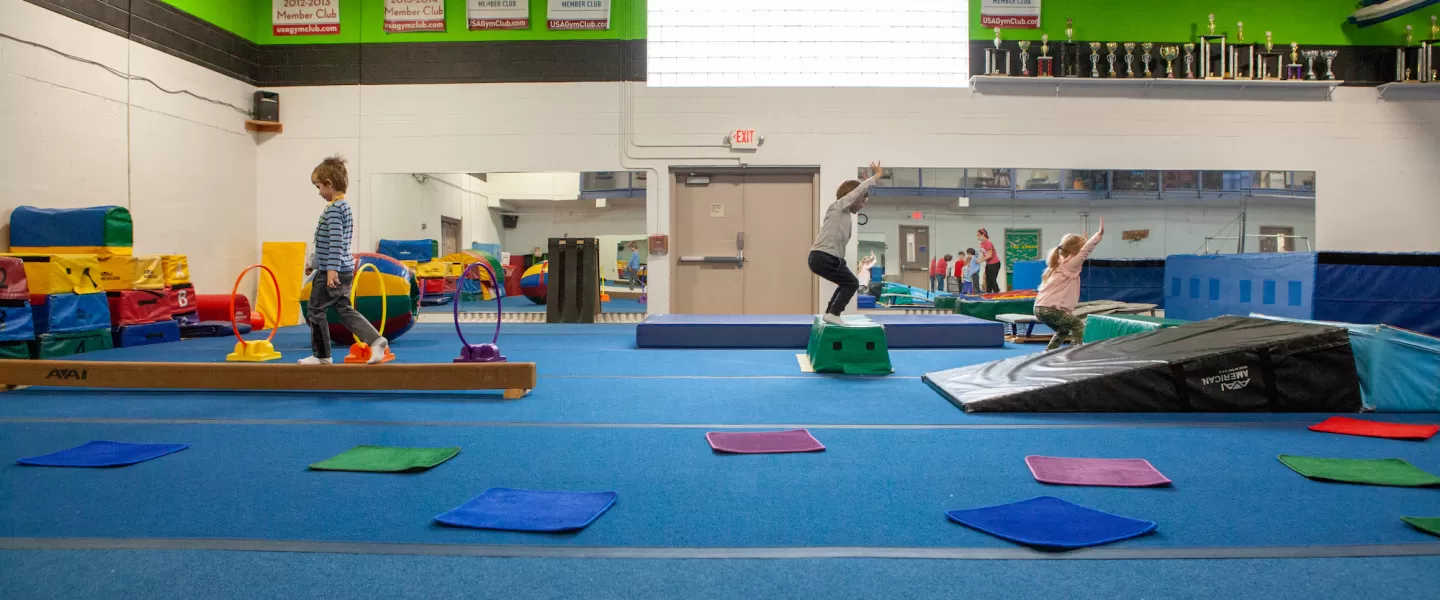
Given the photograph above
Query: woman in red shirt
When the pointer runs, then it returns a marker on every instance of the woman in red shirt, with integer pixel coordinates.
(991, 260)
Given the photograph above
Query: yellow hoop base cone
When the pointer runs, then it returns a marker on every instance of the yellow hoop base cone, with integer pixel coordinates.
(253, 351)
(360, 354)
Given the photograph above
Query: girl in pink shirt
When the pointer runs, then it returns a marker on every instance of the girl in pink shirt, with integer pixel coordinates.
(1060, 287)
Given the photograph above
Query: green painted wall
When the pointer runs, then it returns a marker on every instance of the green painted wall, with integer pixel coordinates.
(363, 21)
(1319, 22)
(236, 16)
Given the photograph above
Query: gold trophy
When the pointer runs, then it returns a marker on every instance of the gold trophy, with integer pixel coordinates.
(1147, 47)
(1190, 61)
(1024, 57)
(1129, 59)
(1294, 66)
(1094, 59)
(1112, 47)
(1169, 53)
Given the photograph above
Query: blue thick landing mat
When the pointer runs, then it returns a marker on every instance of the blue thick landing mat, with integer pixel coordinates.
(793, 331)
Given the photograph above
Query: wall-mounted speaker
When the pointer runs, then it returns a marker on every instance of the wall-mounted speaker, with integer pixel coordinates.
(510, 221)
(267, 106)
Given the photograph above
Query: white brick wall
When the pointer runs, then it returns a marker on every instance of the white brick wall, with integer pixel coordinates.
(72, 135)
(1375, 161)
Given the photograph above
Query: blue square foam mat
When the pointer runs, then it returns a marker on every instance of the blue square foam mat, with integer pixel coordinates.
(1052, 523)
(103, 454)
(530, 510)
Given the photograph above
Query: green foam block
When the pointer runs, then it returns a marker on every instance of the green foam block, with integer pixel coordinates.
(856, 348)
(386, 459)
(1430, 525)
(1385, 471)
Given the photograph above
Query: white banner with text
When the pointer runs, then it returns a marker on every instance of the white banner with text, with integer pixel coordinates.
(578, 14)
(1010, 14)
(404, 16)
(498, 14)
(305, 17)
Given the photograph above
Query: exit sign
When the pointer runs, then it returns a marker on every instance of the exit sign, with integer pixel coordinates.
(744, 139)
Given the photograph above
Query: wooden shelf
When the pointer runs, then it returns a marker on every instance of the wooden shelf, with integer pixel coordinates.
(264, 126)
(1267, 89)
(1414, 91)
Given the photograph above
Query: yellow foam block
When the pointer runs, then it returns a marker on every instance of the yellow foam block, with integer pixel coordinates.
(95, 250)
(118, 273)
(177, 269)
(287, 261)
(413, 265)
(433, 270)
(61, 273)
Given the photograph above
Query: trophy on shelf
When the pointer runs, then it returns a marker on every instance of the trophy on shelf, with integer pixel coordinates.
(1242, 53)
(1429, 61)
(1189, 61)
(1268, 55)
(1212, 54)
(1403, 56)
(1147, 47)
(1310, 56)
(997, 61)
(1045, 64)
(1110, 58)
(1129, 59)
(1069, 52)
(1094, 59)
(1024, 58)
(1329, 56)
(1294, 67)
(1169, 53)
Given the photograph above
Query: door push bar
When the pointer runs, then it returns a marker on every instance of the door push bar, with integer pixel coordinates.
(738, 260)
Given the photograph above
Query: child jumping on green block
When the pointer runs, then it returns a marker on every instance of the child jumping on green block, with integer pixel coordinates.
(334, 268)
(1060, 287)
(827, 254)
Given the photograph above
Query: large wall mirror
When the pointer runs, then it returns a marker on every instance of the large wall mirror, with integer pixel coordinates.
(918, 215)
(510, 218)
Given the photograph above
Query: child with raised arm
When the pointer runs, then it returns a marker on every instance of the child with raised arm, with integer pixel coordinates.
(1060, 287)
(827, 254)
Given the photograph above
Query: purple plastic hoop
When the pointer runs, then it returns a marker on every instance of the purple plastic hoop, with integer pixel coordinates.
(499, 299)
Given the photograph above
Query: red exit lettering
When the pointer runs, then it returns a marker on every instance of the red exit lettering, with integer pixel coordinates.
(744, 136)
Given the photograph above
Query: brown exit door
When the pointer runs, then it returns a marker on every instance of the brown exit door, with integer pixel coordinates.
(915, 255)
(1273, 236)
(741, 242)
(449, 236)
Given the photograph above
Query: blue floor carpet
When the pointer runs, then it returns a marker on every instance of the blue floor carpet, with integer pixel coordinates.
(872, 487)
(869, 488)
(185, 575)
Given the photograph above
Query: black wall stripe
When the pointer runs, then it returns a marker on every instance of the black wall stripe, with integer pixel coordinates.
(179, 34)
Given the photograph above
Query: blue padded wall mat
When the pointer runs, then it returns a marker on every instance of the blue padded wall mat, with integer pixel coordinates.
(1400, 289)
(793, 331)
(1199, 287)
(1124, 279)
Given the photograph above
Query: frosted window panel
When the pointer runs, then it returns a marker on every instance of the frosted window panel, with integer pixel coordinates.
(803, 43)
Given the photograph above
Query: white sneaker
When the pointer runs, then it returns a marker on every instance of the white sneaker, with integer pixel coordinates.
(310, 360)
(377, 351)
(833, 319)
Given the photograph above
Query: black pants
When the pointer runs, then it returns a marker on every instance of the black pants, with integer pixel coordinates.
(833, 270)
(323, 298)
(992, 278)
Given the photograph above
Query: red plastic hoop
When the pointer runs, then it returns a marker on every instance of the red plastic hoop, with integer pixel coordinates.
(279, 302)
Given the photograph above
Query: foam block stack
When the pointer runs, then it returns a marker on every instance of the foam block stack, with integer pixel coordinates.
(71, 314)
(17, 323)
(184, 308)
(437, 282)
(140, 302)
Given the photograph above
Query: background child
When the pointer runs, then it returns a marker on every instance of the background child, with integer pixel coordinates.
(633, 267)
(939, 268)
(1060, 287)
(827, 254)
(334, 268)
(973, 267)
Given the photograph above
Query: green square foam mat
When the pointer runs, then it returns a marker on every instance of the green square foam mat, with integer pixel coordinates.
(1385, 471)
(386, 459)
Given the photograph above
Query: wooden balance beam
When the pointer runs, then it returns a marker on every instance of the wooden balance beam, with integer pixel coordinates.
(515, 378)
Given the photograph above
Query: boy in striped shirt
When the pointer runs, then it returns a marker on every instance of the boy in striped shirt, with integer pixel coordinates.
(334, 268)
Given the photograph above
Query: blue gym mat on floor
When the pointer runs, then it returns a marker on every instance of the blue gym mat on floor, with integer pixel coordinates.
(793, 331)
